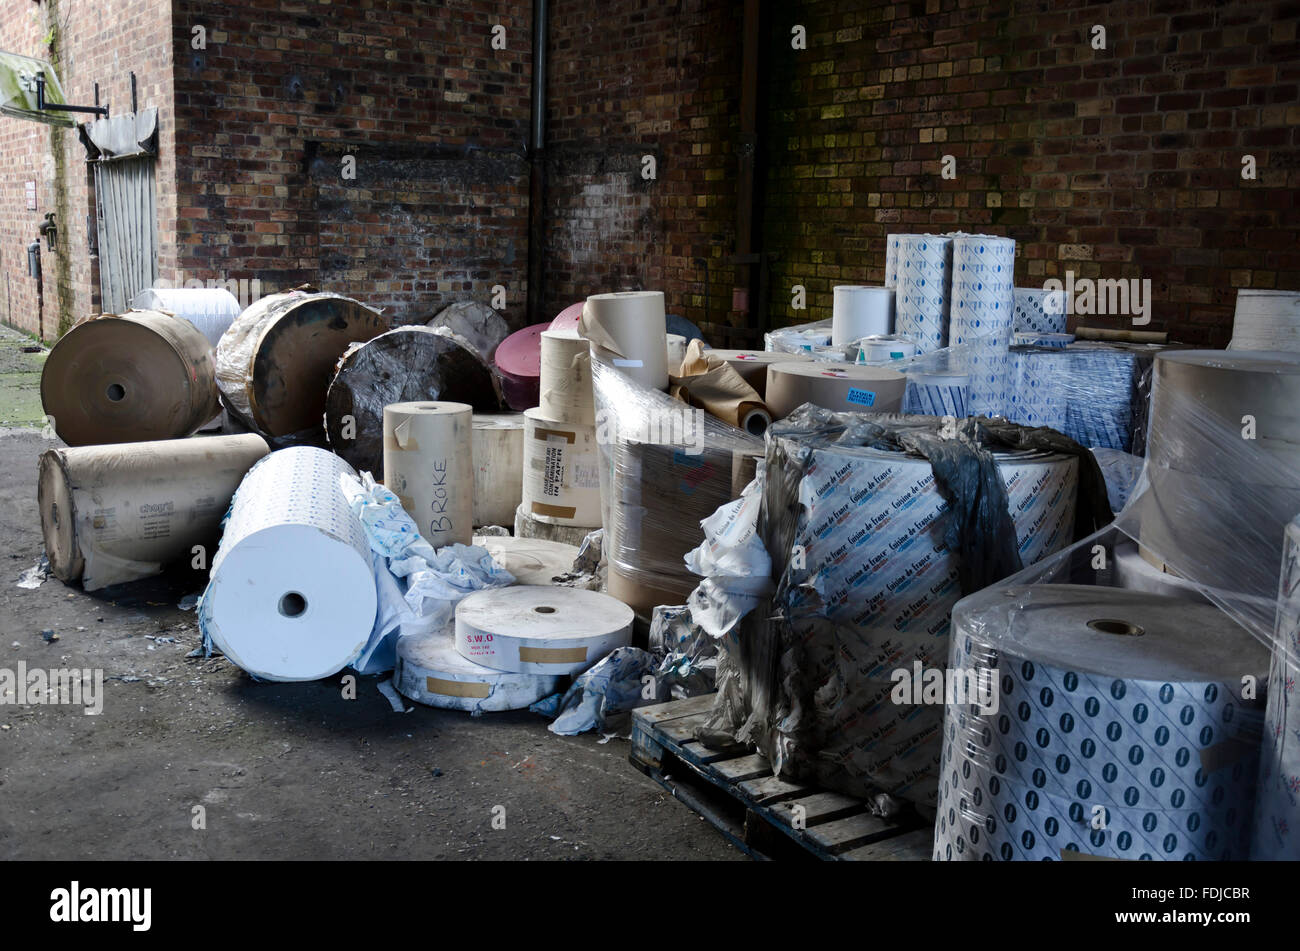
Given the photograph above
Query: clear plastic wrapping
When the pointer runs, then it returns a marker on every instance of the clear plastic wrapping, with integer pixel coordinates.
(665, 466)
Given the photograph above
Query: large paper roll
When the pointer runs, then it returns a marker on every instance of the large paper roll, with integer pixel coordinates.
(1039, 311)
(210, 309)
(498, 467)
(276, 361)
(1033, 339)
(937, 394)
(885, 348)
(629, 331)
(431, 672)
(1266, 320)
(117, 513)
(530, 560)
(561, 470)
(924, 282)
(983, 298)
(874, 594)
(859, 311)
(1119, 729)
(429, 465)
(292, 592)
(519, 360)
(1276, 834)
(565, 393)
(475, 325)
(752, 364)
(892, 243)
(135, 378)
(534, 629)
(406, 365)
(540, 527)
(856, 388)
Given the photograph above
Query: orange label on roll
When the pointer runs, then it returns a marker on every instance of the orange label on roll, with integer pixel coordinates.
(552, 655)
(456, 688)
(554, 511)
(545, 434)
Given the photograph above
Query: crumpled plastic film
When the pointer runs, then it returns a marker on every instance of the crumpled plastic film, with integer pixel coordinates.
(665, 467)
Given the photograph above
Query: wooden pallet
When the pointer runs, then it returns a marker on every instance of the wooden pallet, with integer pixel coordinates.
(735, 791)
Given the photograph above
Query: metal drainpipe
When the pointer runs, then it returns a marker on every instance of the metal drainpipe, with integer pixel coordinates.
(537, 170)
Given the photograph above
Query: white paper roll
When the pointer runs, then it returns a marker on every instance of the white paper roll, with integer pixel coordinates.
(1038, 311)
(565, 387)
(630, 331)
(1112, 705)
(860, 311)
(983, 292)
(924, 268)
(676, 351)
(1266, 320)
(430, 671)
(210, 309)
(292, 592)
(883, 349)
(429, 465)
(561, 470)
(530, 560)
(937, 394)
(541, 630)
(540, 527)
(498, 467)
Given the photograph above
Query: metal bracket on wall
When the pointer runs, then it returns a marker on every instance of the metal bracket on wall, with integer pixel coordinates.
(44, 106)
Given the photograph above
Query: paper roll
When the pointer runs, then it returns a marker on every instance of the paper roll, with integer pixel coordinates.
(858, 311)
(210, 309)
(1119, 730)
(139, 377)
(535, 629)
(276, 361)
(565, 393)
(891, 260)
(937, 394)
(1033, 339)
(431, 672)
(752, 364)
(117, 513)
(1038, 311)
(429, 465)
(568, 319)
(1266, 320)
(473, 325)
(854, 388)
(561, 470)
(924, 282)
(530, 560)
(409, 364)
(629, 330)
(983, 298)
(498, 467)
(540, 527)
(292, 591)
(883, 349)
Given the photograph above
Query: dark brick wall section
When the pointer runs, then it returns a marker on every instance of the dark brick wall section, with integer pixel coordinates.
(1116, 163)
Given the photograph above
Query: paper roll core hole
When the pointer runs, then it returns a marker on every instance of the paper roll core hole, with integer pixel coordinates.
(543, 609)
(1114, 626)
(293, 604)
(116, 392)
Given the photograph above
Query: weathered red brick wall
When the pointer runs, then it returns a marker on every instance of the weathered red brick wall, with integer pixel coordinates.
(630, 79)
(87, 43)
(1117, 163)
(434, 117)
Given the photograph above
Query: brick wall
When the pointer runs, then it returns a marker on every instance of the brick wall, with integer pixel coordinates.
(434, 117)
(87, 43)
(1117, 163)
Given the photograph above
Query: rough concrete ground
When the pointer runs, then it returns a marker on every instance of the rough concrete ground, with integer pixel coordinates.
(281, 770)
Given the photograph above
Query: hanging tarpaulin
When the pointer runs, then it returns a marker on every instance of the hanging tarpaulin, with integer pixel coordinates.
(18, 90)
(132, 133)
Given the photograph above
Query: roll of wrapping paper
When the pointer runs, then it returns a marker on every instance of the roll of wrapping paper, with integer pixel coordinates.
(1119, 729)
(430, 671)
(210, 309)
(676, 352)
(891, 259)
(276, 361)
(1050, 341)
(857, 388)
(1042, 388)
(884, 349)
(519, 361)
(1266, 320)
(536, 629)
(1038, 311)
(752, 364)
(1200, 400)
(800, 339)
(136, 378)
(530, 560)
(117, 513)
(409, 364)
(1276, 833)
(429, 466)
(566, 378)
(498, 467)
(924, 268)
(937, 394)
(860, 311)
(292, 595)
(561, 470)
(875, 597)
(630, 330)
(540, 527)
(982, 297)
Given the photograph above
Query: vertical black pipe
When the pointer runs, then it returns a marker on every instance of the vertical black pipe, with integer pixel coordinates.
(537, 170)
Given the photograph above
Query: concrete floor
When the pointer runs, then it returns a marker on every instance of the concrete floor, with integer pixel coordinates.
(283, 771)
